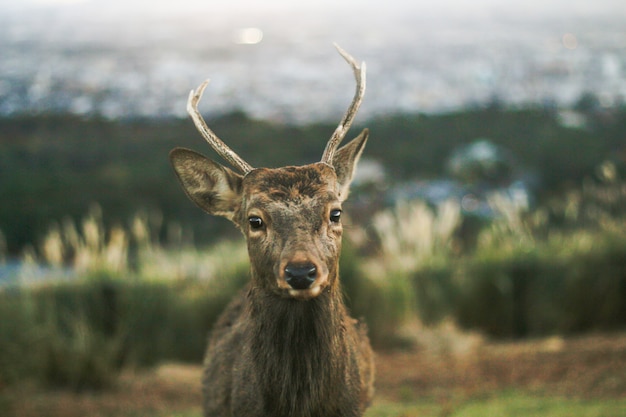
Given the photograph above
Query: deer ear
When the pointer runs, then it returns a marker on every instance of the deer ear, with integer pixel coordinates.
(213, 187)
(345, 160)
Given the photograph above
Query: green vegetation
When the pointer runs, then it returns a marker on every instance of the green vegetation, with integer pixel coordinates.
(139, 300)
(508, 404)
(81, 333)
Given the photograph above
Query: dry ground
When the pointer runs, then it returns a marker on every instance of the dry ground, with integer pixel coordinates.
(583, 367)
(592, 366)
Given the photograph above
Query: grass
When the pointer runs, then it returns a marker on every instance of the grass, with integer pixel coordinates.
(514, 404)
(509, 404)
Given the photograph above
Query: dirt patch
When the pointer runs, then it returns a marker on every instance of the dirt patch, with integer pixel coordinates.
(167, 388)
(591, 366)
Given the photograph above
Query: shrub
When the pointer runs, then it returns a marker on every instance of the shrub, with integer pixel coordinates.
(80, 334)
(594, 295)
(18, 338)
(436, 293)
(564, 289)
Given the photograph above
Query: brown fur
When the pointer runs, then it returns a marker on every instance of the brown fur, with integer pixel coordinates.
(276, 351)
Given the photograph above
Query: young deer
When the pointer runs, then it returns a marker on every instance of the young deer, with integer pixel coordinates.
(286, 346)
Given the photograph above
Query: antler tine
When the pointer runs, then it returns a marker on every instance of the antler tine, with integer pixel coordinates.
(346, 122)
(216, 143)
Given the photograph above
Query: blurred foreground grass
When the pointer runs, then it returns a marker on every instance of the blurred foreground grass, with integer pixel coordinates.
(509, 404)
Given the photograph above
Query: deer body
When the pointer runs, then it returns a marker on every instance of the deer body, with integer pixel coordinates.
(286, 346)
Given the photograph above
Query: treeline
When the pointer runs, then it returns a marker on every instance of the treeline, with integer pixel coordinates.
(55, 166)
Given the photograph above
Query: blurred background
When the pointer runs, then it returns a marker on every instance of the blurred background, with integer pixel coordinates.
(486, 240)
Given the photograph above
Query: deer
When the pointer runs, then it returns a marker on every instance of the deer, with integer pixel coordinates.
(286, 345)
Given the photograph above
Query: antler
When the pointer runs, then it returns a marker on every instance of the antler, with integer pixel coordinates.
(216, 143)
(344, 125)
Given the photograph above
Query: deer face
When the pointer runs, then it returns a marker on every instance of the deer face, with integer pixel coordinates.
(292, 221)
(291, 216)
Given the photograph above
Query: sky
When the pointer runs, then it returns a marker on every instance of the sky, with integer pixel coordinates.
(581, 7)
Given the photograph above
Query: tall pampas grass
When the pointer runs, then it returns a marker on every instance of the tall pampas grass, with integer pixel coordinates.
(88, 247)
(412, 233)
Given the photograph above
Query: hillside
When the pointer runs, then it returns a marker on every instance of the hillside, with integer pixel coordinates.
(58, 166)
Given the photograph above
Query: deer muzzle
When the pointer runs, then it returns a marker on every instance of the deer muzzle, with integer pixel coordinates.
(300, 277)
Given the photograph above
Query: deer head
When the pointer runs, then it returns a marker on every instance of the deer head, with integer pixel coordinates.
(291, 216)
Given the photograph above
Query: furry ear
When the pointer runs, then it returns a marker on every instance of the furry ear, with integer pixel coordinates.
(213, 187)
(345, 161)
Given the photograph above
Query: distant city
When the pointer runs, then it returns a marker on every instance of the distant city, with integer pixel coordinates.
(88, 61)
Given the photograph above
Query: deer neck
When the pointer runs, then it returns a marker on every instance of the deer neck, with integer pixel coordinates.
(300, 347)
(287, 322)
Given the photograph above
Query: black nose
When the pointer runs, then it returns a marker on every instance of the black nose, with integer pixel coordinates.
(300, 277)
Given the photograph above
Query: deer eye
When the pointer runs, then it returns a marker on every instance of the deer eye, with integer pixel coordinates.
(335, 216)
(255, 222)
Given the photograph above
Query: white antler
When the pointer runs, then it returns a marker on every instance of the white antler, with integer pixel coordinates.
(344, 125)
(216, 143)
